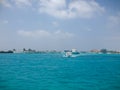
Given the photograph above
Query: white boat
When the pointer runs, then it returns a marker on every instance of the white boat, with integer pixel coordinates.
(71, 53)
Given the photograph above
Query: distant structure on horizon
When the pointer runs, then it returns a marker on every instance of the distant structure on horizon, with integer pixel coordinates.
(72, 51)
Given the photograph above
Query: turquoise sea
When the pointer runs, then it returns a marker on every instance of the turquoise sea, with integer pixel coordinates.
(54, 72)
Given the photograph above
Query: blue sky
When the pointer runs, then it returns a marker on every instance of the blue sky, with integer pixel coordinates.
(60, 24)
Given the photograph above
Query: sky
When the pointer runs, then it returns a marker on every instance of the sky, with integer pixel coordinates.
(60, 24)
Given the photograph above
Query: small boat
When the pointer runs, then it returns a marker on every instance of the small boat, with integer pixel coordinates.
(71, 53)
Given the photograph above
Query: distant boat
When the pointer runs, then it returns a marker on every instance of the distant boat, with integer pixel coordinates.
(71, 53)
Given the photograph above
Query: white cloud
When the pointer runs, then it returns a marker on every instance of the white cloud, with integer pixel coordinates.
(18, 3)
(22, 3)
(45, 34)
(60, 34)
(61, 8)
(75, 8)
(5, 3)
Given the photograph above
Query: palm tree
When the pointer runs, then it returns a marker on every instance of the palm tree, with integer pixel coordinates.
(29, 49)
(24, 49)
(14, 50)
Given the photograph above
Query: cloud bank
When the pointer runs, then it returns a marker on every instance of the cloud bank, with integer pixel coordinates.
(22, 3)
(5, 3)
(75, 8)
(61, 8)
(43, 34)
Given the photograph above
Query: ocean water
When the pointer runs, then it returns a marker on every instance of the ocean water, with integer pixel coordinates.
(54, 72)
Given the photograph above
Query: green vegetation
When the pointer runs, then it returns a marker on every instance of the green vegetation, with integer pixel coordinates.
(9, 51)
